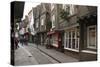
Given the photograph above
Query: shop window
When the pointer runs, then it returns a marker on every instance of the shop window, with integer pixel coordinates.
(69, 40)
(72, 39)
(55, 40)
(91, 37)
(77, 40)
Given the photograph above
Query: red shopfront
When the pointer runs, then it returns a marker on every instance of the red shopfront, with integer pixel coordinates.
(56, 38)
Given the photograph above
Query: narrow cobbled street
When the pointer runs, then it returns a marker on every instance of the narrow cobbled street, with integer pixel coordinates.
(48, 33)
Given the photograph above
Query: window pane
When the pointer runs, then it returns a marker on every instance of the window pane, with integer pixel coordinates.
(73, 34)
(92, 37)
(66, 39)
(53, 21)
(77, 43)
(73, 43)
(42, 22)
(77, 39)
(69, 34)
(66, 42)
(70, 43)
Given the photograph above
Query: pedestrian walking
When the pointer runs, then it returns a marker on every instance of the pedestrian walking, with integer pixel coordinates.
(48, 43)
(16, 39)
(22, 39)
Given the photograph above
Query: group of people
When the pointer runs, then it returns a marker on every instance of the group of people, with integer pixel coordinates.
(22, 39)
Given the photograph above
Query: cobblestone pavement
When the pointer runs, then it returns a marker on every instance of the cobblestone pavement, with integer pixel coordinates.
(32, 55)
(29, 55)
(57, 55)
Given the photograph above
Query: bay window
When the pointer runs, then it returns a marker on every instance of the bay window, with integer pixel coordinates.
(55, 40)
(72, 39)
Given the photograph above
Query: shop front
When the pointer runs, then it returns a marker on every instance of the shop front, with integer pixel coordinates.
(88, 33)
(71, 39)
(55, 38)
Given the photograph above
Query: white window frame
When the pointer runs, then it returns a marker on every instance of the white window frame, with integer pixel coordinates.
(52, 6)
(37, 24)
(53, 21)
(42, 22)
(44, 7)
(69, 8)
(64, 6)
(72, 9)
(88, 45)
(67, 38)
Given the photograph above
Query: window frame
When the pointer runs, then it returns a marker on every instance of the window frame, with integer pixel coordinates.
(66, 38)
(42, 22)
(88, 45)
(37, 24)
(52, 6)
(72, 9)
(64, 6)
(53, 21)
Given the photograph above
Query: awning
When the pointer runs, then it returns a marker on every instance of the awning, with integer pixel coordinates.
(53, 32)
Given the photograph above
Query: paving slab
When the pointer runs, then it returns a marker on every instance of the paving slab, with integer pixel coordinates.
(63, 58)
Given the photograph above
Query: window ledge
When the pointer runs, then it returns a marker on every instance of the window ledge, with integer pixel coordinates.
(72, 49)
(88, 51)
